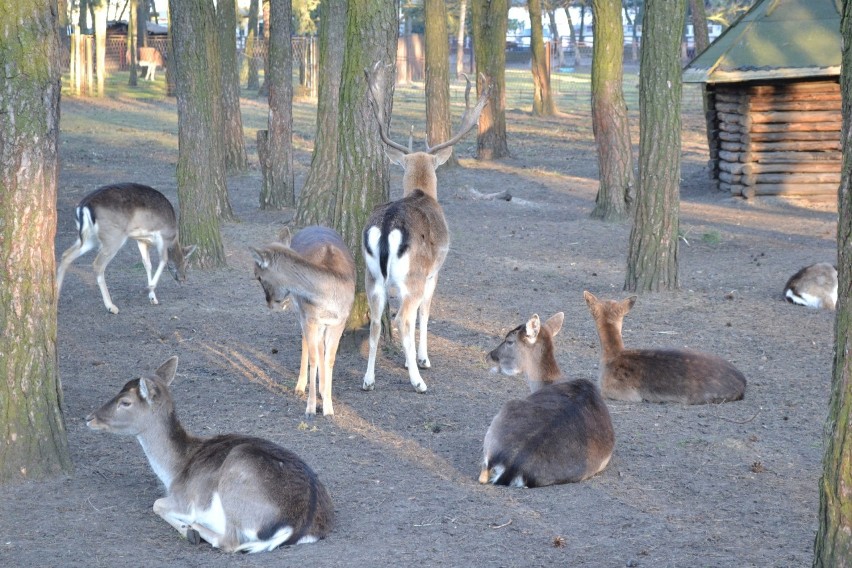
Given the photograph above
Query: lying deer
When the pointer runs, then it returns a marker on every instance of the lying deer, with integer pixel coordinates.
(658, 375)
(561, 433)
(405, 242)
(317, 272)
(814, 286)
(239, 493)
(109, 216)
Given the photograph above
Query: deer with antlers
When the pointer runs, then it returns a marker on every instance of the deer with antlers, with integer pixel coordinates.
(405, 242)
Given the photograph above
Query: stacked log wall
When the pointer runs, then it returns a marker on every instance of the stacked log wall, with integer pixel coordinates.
(781, 138)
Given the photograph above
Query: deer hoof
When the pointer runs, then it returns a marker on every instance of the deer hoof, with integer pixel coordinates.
(424, 363)
(421, 388)
(192, 536)
(112, 309)
(368, 386)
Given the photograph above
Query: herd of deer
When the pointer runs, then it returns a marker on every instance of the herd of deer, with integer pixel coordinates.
(241, 493)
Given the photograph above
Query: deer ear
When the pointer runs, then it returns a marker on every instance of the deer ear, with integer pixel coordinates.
(395, 156)
(167, 370)
(590, 298)
(284, 236)
(442, 155)
(554, 323)
(533, 327)
(144, 391)
(260, 258)
(628, 303)
(188, 251)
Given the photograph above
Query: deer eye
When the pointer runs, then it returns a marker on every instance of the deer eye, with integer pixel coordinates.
(124, 403)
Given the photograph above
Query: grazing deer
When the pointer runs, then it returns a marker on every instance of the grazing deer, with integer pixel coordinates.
(316, 270)
(561, 433)
(814, 286)
(658, 375)
(110, 215)
(239, 493)
(151, 58)
(405, 242)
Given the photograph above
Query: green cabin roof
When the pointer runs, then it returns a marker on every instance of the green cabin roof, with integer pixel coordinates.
(775, 39)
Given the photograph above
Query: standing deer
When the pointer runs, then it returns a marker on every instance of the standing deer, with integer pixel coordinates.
(239, 493)
(405, 242)
(110, 215)
(561, 433)
(658, 375)
(814, 286)
(316, 270)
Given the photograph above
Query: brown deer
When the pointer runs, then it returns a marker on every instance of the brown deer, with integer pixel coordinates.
(239, 493)
(561, 433)
(658, 375)
(814, 286)
(110, 215)
(405, 242)
(316, 270)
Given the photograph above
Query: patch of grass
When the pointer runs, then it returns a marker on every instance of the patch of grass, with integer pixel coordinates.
(712, 238)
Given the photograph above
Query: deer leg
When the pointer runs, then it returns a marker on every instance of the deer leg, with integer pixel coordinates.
(376, 298)
(165, 508)
(407, 319)
(302, 382)
(332, 341)
(146, 262)
(313, 339)
(73, 252)
(423, 313)
(105, 255)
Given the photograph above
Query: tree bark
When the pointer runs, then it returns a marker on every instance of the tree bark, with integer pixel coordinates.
(264, 87)
(363, 179)
(490, 20)
(141, 23)
(250, 62)
(833, 544)
(132, 42)
(100, 22)
(278, 191)
(200, 171)
(33, 440)
(317, 198)
(460, 39)
(609, 115)
(543, 104)
(233, 140)
(438, 125)
(699, 25)
(652, 254)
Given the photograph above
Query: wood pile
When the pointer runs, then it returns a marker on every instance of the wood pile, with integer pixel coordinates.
(776, 139)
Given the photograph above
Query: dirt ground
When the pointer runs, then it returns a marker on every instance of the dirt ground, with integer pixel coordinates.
(724, 485)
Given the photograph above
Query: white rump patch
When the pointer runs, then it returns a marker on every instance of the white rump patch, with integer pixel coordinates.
(397, 266)
(805, 299)
(372, 257)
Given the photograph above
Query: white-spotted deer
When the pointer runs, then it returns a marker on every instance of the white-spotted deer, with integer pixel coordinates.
(110, 215)
(658, 375)
(239, 493)
(561, 433)
(405, 242)
(316, 270)
(814, 286)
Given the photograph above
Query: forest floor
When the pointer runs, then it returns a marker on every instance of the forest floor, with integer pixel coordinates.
(723, 485)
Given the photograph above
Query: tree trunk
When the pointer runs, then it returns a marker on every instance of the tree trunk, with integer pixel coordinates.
(490, 21)
(100, 22)
(132, 41)
(460, 39)
(233, 140)
(81, 15)
(264, 87)
(200, 171)
(278, 191)
(542, 98)
(141, 23)
(363, 179)
(609, 115)
(438, 125)
(316, 201)
(33, 441)
(250, 66)
(699, 25)
(652, 254)
(833, 544)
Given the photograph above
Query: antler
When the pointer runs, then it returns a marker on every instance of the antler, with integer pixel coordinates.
(469, 119)
(375, 94)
